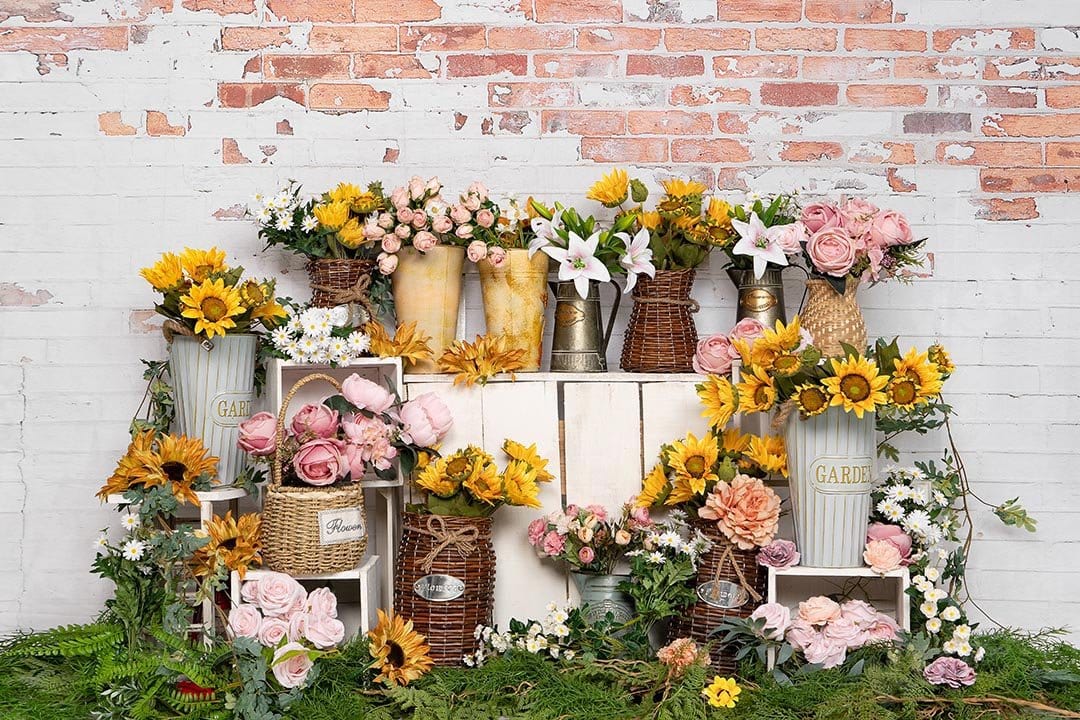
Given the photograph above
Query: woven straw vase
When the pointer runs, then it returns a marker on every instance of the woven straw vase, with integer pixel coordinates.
(427, 291)
(445, 581)
(333, 279)
(724, 568)
(833, 318)
(515, 300)
(661, 336)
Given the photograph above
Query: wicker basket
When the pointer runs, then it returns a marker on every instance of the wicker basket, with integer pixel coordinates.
(661, 336)
(340, 281)
(446, 581)
(724, 563)
(833, 318)
(304, 528)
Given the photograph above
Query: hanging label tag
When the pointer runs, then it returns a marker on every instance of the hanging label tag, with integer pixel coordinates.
(722, 594)
(439, 588)
(341, 526)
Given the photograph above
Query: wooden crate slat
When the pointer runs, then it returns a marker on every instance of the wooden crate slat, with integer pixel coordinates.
(603, 442)
(669, 410)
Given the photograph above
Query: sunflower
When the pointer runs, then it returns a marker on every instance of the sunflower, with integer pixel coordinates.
(519, 481)
(131, 469)
(755, 352)
(366, 203)
(718, 212)
(692, 461)
(718, 400)
(408, 342)
(654, 488)
(528, 455)
(201, 264)
(213, 306)
(940, 357)
(734, 442)
(434, 479)
(650, 220)
(856, 385)
(166, 274)
(332, 215)
(233, 544)
(782, 338)
(679, 188)
(757, 392)
(681, 491)
(259, 298)
(180, 461)
(810, 399)
(610, 190)
(484, 483)
(351, 234)
(481, 360)
(916, 380)
(769, 454)
(400, 654)
(345, 193)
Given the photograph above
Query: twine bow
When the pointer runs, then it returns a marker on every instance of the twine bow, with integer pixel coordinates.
(171, 328)
(356, 294)
(463, 540)
(729, 557)
(692, 304)
(783, 414)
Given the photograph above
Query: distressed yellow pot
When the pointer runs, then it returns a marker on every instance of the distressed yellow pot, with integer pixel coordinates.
(427, 291)
(515, 298)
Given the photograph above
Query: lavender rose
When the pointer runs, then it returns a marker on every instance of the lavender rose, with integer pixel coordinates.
(779, 554)
(950, 671)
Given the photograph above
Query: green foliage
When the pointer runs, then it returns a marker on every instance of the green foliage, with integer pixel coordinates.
(1011, 513)
(158, 400)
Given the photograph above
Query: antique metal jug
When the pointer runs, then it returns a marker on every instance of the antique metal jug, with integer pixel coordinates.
(759, 298)
(580, 343)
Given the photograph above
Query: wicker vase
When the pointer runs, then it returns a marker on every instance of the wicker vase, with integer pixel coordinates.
(342, 281)
(515, 300)
(833, 318)
(445, 581)
(730, 584)
(427, 291)
(661, 336)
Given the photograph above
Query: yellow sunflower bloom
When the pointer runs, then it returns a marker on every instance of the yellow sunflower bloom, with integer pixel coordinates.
(734, 442)
(757, 391)
(718, 400)
(345, 193)
(166, 274)
(434, 479)
(400, 654)
(856, 385)
(810, 399)
(180, 462)
(654, 488)
(519, 481)
(528, 455)
(719, 212)
(201, 264)
(611, 190)
(365, 203)
(940, 357)
(922, 376)
(679, 188)
(649, 220)
(351, 234)
(769, 454)
(782, 338)
(755, 352)
(722, 692)
(131, 470)
(332, 215)
(212, 306)
(484, 483)
(258, 297)
(233, 545)
(693, 460)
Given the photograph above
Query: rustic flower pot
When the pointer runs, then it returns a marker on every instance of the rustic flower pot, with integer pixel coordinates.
(427, 291)
(515, 300)
(833, 318)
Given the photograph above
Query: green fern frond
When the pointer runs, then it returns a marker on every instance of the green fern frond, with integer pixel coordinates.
(67, 641)
(199, 704)
(111, 670)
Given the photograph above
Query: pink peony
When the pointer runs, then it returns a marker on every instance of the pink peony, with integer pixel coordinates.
(425, 420)
(387, 263)
(800, 634)
(245, 621)
(442, 224)
(322, 601)
(856, 215)
(477, 251)
(554, 543)
(391, 244)
(291, 672)
(819, 216)
(950, 671)
(893, 534)
(826, 652)
(485, 218)
(847, 631)
(884, 628)
(819, 610)
(779, 554)
(790, 237)
(747, 329)
(586, 555)
(425, 241)
(320, 462)
(367, 395)
(832, 251)
(882, 556)
(258, 434)
(777, 619)
(278, 595)
(460, 214)
(323, 631)
(537, 529)
(367, 441)
(497, 256)
(713, 355)
(890, 228)
(315, 421)
(273, 631)
(861, 613)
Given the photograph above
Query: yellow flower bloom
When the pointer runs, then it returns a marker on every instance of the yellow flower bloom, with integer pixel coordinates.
(180, 461)
(940, 357)
(351, 234)
(693, 460)
(400, 654)
(365, 203)
(131, 470)
(856, 385)
(769, 454)
(916, 379)
(681, 492)
(484, 483)
(611, 189)
(679, 188)
(201, 264)
(212, 306)
(332, 215)
(810, 399)
(345, 193)
(649, 220)
(734, 442)
(654, 488)
(722, 692)
(166, 274)
(755, 352)
(258, 297)
(434, 479)
(757, 391)
(528, 455)
(782, 338)
(719, 212)
(234, 545)
(479, 361)
(519, 482)
(718, 400)
(409, 343)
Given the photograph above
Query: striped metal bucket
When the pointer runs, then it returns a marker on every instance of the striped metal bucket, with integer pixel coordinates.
(831, 466)
(215, 390)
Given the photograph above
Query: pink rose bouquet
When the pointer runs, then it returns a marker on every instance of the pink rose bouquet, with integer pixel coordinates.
(716, 353)
(587, 538)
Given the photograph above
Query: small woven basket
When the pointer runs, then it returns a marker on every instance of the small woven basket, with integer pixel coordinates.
(293, 519)
(833, 318)
(661, 336)
(339, 281)
(723, 563)
(459, 549)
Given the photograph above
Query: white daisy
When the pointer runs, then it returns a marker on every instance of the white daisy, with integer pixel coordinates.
(950, 614)
(284, 222)
(656, 558)
(309, 223)
(669, 539)
(308, 345)
(359, 343)
(294, 326)
(469, 661)
(320, 357)
(324, 327)
(891, 509)
(916, 522)
(934, 535)
(129, 522)
(265, 215)
(133, 550)
(292, 349)
(101, 545)
(283, 199)
(939, 498)
(340, 358)
(558, 616)
(933, 626)
(280, 337)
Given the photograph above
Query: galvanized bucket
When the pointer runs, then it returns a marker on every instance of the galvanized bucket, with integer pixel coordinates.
(831, 466)
(759, 298)
(215, 390)
(600, 595)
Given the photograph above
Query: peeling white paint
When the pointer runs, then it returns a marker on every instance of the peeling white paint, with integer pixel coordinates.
(965, 69)
(957, 151)
(982, 40)
(1066, 39)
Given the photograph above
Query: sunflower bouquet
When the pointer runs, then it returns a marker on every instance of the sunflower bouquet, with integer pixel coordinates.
(160, 472)
(468, 483)
(201, 293)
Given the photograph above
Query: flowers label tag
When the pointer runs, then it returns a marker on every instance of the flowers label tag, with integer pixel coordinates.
(439, 588)
(722, 594)
(341, 526)
(230, 408)
(842, 475)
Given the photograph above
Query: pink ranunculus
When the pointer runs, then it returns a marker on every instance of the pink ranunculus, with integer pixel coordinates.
(425, 241)
(819, 216)
(800, 634)
(846, 631)
(478, 189)
(245, 621)
(586, 554)
(442, 224)
(485, 218)
(826, 652)
(950, 671)
(291, 672)
(391, 244)
(258, 434)
(471, 202)
(537, 529)
(315, 420)
(464, 231)
(387, 263)
(882, 556)
(322, 601)
(321, 462)
(460, 214)
(856, 214)
(819, 610)
(323, 631)
(403, 231)
(273, 631)
(399, 198)
(417, 188)
(419, 219)
(497, 256)
(425, 420)
(554, 543)
(779, 554)
(777, 619)
(477, 251)
(893, 534)
(279, 595)
(884, 628)
(404, 215)
(386, 221)
(713, 355)
(367, 395)
(832, 251)
(890, 228)
(859, 612)
(747, 329)
(790, 237)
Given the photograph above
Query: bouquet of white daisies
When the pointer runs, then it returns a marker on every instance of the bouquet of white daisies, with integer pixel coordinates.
(320, 336)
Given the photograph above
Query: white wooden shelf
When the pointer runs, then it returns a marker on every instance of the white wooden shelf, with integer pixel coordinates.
(612, 376)
(223, 494)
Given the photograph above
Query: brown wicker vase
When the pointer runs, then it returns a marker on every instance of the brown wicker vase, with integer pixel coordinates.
(340, 281)
(833, 318)
(445, 581)
(661, 336)
(734, 570)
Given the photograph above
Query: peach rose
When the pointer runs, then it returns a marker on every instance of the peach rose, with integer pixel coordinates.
(460, 214)
(315, 421)
(477, 251)
(399, 198)
(819, 610)
(478, 189)
(485, 218)
(498, 256)
(417, 188)
(419, 219)
(391, 244)
(746, 511)
(832, 251)
(747, 329)
(826, 652)
(846, 631)
(442, 224)
(464, 231)
(258, 434)
(713, 355)
(386, 221)
(882, 556)
(884, 629)
(819, 216)
(404, 215)
(893, 534)
(387, 263)
(372, 231)
(320, 462)
(291, 672)
(777, 619)
(800, 634)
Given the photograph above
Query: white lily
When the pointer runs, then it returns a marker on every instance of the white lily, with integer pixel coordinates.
(578, 262)
(638, 258)
(544, 230)
(756, 241)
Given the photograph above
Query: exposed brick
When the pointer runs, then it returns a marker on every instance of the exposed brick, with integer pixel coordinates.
(530, 94)
(983, 39)
(936, 67)
(898, 182)
(221, 7)
(697, 95)
(396, 11)
(763, 66)
(799, 94)
(391, 155)
(711, 150)
(583, 122)
(844, 68)
(352, 38)
(294, 67)
(566, 66)
(669, 122)
(392, 65)
(885, 153)
(875, 39)
(1063, 97)
(254, 38)
(283, 127)
(810, 151)
(1063, 153)
(795, 39)
(237, 95)
(342, 96)
(665, 65)
(617, 38)
(62, 39)
(312, 10)
(483, 65)
(649, 150)
(759, 10)
(578, 11)
(990, 153)
(678, 39)
(849, 11)
(1032, 68)
(1057, 125)
(932, 123)
(111, 124)
(432, 38)
(1009, 180)
(157, 125)
(230, 153)
(886, 95)
(994, 96)
(530, 38)
(1000, 209)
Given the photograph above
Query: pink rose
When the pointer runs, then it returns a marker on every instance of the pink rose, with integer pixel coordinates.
(844, 630)
(950, 671)
(297, 625)
(882, 556)
(832, 251)
(790, 237)
(442, 224)
(800, 634)
(273, 631)
(460, 214)
(291, 672)
(826, 652)
(471, 202)
(323, 631)
(747, 329)
(322, 601)
(419, 219)
(537, 529)
(399, 198)
(884, 629)
(320, 462)
(425, 420)
(315, 420)
(554, 544)
(404, 215)
(425, 241)
(417, 188)
(713, 355)
(391, 244)
(572, 510)
(856, 215)
(477, 251)
(586, 555)
(372, 231)
(640, 515)
(464, 231)
(777, 619)
(278, 595)
(497, 256)
(403, 231)
(819, 216)
(258, 434)
(893, 534)
(485, 218)
(433, 186)
(367, 395)
(861, 613)
(386, 221)
(245, 621)
(478, 189)
(249, 591)
(779, 554)
(387, 263)
(819, 610)
(890, 228)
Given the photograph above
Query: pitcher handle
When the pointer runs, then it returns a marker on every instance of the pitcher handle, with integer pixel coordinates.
(611, 317)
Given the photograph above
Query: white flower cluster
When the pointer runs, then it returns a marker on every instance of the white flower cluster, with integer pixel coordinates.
(907, 499)
(671, 540)
(279, 211)
(320, 336)
(549, 635)
(132, 548)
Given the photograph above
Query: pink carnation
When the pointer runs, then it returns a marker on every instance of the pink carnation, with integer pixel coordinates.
(950, 671)
(554, 543)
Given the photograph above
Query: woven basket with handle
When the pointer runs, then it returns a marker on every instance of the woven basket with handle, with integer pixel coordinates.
(661, 336)
(294, 517)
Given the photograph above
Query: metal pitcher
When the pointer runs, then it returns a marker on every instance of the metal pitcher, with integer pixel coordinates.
(580, 343)
(759, 298)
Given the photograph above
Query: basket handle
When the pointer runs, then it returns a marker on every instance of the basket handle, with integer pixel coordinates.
(276, 470)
